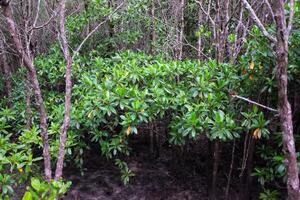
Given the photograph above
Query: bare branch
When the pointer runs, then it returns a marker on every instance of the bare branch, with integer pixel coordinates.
(44, 24)
(255, 103)
(258, 22)
(95, 29)
(186, 43)
(35, 20)
(206, 13)
(270, 8)
(37, 13)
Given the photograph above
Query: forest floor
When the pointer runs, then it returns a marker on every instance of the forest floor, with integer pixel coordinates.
(164, 178)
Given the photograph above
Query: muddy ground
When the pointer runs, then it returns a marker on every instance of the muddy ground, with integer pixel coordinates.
(167, 177)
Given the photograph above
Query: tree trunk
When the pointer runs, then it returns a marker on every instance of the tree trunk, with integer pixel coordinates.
(199, 41)
(28, 104)
(216, 161)
(68, 92)
(28, 63)
(222, 19)
(230, 172)
(179, 30)
(6, 72)
(247, 184)
(284, 107)
(152, 28)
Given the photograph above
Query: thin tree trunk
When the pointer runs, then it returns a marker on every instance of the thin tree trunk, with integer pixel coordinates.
(180, 30)
(223, 26)
(68, 92)
(28, 104)
(86, 9)
(152, 28)
(111, 27)
(199, 41)
(249, 166)
(284, 106)
(217, 38)
(216, 161)
(230, 171)
(240, 35)
(7, 73)
(28, 63)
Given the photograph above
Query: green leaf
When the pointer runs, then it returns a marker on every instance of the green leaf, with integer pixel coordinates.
(35, 183)
(27, 196)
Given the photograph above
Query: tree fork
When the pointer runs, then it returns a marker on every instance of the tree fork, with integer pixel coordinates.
(28, 63)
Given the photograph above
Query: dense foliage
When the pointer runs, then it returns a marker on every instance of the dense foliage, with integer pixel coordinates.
(113, 96)
(127, 75)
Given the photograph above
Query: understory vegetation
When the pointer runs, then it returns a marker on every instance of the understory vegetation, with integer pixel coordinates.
(98, 72)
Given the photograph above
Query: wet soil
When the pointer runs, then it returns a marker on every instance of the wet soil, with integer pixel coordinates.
(163, 178)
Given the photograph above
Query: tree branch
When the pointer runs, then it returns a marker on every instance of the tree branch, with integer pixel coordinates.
(270, 8)
(35, 20)
(255, 103)
(258, 22)
(95, 29)
(206, 13)
(44, 24)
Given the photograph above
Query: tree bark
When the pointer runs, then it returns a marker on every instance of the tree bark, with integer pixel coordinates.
(284, 106)
(247, 177)
(68, 91)
(230, 172)
(28, 63)
(199, 41)
(216, 161)
(28, 103)
(152, 28)
(223, 25)
(179, 30)
(7, 73)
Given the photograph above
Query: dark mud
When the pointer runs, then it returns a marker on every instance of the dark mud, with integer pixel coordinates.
(165, 178)
(171, 176)
(151, 181)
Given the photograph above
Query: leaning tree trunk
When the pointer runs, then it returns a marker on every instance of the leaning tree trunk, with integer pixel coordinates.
(28, 63)
(284, 107)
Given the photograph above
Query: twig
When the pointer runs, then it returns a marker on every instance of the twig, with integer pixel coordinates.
(270, 8)
(95, 29)
(255, 103)
(206, 13)
(258, 22)
(35, 21)
(44, 24)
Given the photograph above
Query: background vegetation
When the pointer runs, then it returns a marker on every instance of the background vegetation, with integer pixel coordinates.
(96, 72)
